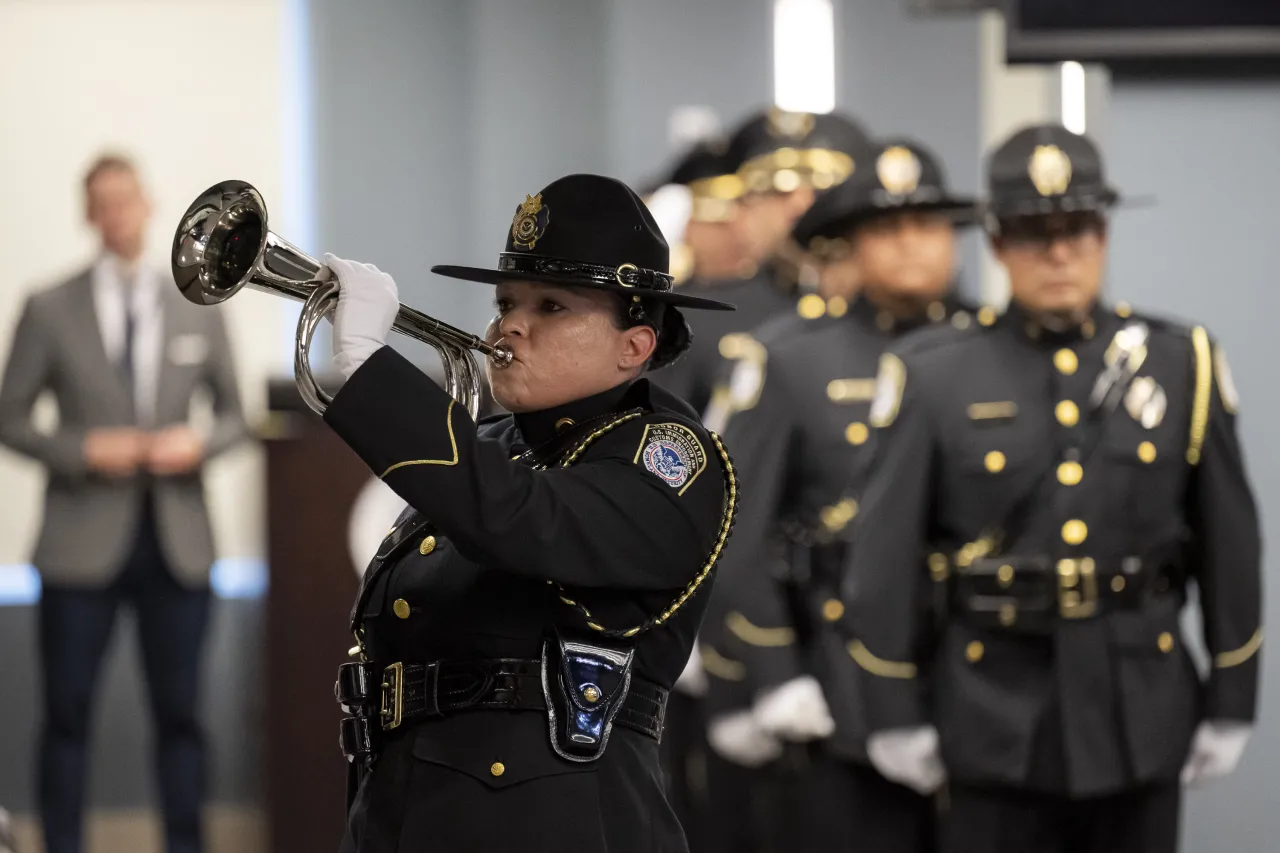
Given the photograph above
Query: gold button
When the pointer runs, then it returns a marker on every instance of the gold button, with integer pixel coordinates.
(563, 424)
(938, 567)
(1088, 328)
(1066, 362)
(1123, 310)
(428, 545)
(884, 321)
(856, 433)
(1067, 412)
(994, 461)
(1069, 473)
(987, 315)
(961, 319)
(1075, 531)
(937, 312)
(1004, 575)
(837, 306)
(591, 693)
(401, 608)
(832, 609)
(497, 768)
(974, 651)
(811, 306)
(1165, 642)
(1147, 452)
(1008, 614)
(1117, 583)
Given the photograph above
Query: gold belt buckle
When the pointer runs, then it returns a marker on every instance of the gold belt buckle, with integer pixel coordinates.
(392, 705)
(1077, 588)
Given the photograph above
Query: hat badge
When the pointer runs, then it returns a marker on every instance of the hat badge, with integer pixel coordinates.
(899, 170)
(530, 222)
(1050, 170)
(790, 125)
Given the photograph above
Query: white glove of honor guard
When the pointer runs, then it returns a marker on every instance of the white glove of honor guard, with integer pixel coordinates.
(909, 757)
(367, 305)
(1216, 749)
(736, 737)
(693, 679)
(795, 710)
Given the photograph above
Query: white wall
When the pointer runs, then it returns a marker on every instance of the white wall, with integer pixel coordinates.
(193, 90)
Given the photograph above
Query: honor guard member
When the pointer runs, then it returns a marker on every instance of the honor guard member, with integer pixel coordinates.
(696, 207)
(522, 623)
(799, 406)
(1062, 471)
(777, 160)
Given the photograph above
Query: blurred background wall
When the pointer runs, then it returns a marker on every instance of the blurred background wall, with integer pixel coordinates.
(404, 132)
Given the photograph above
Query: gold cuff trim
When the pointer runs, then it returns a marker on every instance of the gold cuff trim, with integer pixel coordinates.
(453, 442)
(1204, 385)
(1226, 660)
(754, 635)
(878, 666)
(720, 666)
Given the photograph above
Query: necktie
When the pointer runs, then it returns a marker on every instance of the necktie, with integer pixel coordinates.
(128, 353)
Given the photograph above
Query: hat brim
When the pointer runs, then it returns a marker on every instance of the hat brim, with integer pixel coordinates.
(963, 211)
(1091, 203)
(491, 276)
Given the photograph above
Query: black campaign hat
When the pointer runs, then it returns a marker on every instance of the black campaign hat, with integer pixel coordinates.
(782, 150)
(586, 231)
(905, 176)
(1047, 169)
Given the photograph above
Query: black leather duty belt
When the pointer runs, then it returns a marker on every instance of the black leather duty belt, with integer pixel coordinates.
(382, 699)
(1030, 593)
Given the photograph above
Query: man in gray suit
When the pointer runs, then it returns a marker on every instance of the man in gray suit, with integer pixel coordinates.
(125, 521)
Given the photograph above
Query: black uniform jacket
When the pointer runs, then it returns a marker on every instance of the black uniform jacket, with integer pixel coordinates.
(798, 406)
(1057, 663)
(622, 529)
(756, 300)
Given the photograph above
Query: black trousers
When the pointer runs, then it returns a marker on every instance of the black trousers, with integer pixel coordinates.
(1006, 820)
(75, 627)
(836, 805)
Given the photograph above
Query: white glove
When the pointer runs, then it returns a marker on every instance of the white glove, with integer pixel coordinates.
(909, 757)
(1216, 749)
(693, 680)
(737, 738)
(671, 206)
(367, 305)
(795, 710)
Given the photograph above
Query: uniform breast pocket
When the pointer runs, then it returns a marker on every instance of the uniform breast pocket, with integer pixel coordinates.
(1145, 473)
(992, 465)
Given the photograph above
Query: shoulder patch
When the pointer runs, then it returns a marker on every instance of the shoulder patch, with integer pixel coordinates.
(1226, 384)
(673, 453)
(890, 383)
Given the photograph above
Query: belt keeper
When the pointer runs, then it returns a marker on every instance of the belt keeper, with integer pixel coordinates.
(431, 692)
(354, 687)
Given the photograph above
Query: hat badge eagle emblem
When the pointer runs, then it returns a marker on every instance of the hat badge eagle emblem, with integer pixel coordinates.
(1050, 170)
(530, 223)
(899, 170)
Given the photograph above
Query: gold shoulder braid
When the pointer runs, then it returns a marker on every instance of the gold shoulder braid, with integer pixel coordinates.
(1204, 386)
(726, 527)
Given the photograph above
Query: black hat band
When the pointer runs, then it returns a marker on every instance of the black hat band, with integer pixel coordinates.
(626, 275)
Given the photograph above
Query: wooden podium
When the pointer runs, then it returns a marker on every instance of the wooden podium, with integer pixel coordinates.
(312, 482)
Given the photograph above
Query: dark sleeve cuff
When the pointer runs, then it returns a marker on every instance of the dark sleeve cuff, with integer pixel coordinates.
(1233, 692)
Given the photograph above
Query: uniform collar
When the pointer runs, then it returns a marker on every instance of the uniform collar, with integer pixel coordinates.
(1039, 329)
(538, 427)
(934, 312)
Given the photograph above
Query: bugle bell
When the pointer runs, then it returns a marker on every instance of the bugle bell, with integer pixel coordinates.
(223, 244)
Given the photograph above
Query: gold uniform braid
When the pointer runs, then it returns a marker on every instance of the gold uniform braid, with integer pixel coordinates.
(727, 519)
